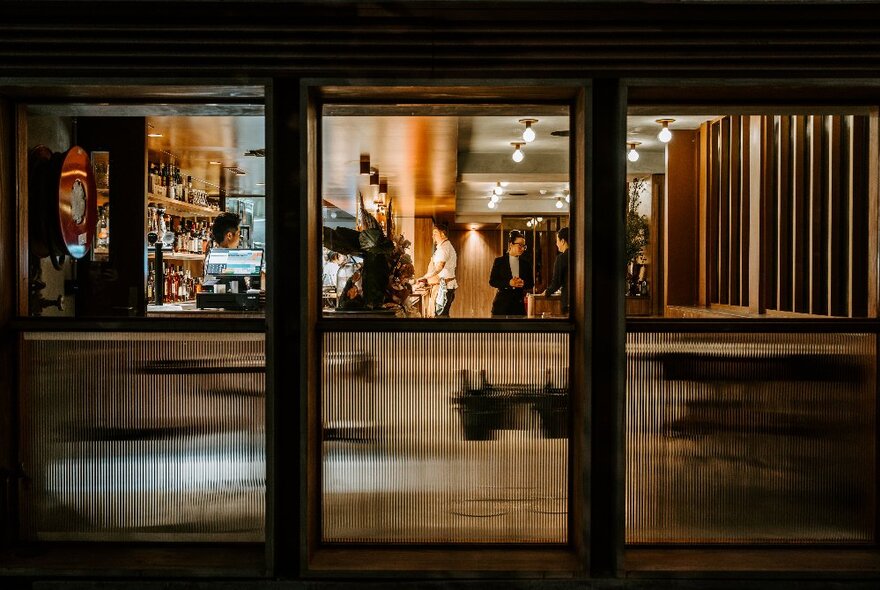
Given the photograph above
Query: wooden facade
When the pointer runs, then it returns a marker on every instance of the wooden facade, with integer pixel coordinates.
(601, 58)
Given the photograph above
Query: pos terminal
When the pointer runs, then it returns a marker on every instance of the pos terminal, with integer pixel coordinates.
(232, 280)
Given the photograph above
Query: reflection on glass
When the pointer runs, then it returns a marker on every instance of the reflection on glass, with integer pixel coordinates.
(436, 438)
(750, 438)
(134, 438)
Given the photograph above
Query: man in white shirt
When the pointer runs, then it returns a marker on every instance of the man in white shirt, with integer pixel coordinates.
(443, 265)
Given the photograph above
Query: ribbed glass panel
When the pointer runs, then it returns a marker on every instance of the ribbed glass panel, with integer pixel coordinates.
(150, 437)
(445, 438)
(750, 438)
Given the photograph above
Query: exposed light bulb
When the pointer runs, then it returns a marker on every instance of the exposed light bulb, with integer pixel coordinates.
(633, 155)
(528, 133)
(333, 215)
(504, 184)
(498, 190)
(518, 154)
(495, 198)
(491, 204)
(558, 203)
(540, 219)
(665, 134)
(529, 223)
(568, 198)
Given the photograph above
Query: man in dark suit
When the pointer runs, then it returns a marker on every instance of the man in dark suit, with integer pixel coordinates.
(512, 276)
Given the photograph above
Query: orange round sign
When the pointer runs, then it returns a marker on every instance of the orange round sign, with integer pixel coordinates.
(77, 202)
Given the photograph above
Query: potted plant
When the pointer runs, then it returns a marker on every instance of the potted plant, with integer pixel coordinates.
(638, 231)
(382, 281)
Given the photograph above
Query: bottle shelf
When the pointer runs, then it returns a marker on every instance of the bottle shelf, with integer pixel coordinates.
(182, 208)
(178, 256)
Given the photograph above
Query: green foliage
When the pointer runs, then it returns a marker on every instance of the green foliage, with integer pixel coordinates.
(387, 268)
(638, 228)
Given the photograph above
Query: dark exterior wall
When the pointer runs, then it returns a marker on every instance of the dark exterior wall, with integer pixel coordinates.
(437, 39)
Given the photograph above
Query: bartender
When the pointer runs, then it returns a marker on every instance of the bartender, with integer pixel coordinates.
(226, 233)
(226, 230)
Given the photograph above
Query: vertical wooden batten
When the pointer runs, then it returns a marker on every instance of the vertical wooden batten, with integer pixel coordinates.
(757, 222)
(800, 260)
(818, 220)
(873, 174)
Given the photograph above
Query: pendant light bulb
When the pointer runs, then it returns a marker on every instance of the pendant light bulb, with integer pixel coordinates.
(492, 204)
(518, 154)
(665, 134)
(494, 198)
(633, 155)
(498, 190)
(558, 203)
(528, 133)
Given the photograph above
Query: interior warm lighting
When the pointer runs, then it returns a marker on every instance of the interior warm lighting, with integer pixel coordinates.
(494, 198)
(492, 204)
(154, 135)
(529, 133)
(567, 194)
(498, 190)
(215, 163)
(558, 202)
(504, 184)
(518, 154)
(540, 219)
(665, 134)
(633, 155)
(473, 228)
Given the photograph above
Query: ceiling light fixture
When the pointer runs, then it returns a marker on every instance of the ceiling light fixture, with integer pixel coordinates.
(559, 202)
(365, 165)
(567, 194)
(215, 163)
(491, 204)
(518, 154)
(154, 135)
(494, 198)
(529, 133)
(498, 190)
(633, 155)
(665, 134)
(374, 177)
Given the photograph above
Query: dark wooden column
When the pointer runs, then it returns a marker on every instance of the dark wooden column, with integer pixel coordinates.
(8, 423)
(287, 246)
(117, 286)
(606, 328)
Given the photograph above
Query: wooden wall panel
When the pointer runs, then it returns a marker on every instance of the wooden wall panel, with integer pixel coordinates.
(680, 261)
(783, 213)
(476, 251)
(818, 220)
(835, 244)
(873, 195)
(422, 244)
(745, 210)
(800, 217)
(724, 199)
(734, 215)
(809, 179)
(857, 173)
(703, 149)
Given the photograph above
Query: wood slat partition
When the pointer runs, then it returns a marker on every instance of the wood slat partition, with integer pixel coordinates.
(724, 203)
(813, 195)
(734, 212)
(800, 216)
(818, 221)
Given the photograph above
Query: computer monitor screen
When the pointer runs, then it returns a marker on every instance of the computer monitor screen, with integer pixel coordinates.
(223, 262)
